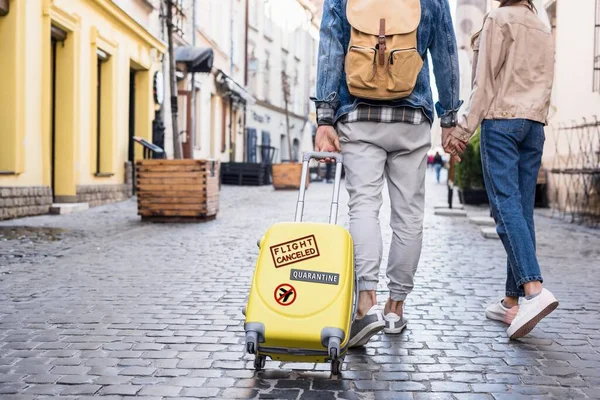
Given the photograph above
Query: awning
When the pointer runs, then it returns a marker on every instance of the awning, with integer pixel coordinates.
(233, 88)
(197, 59)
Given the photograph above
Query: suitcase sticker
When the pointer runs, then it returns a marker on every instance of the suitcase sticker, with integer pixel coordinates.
(294, 251)
(285, 294)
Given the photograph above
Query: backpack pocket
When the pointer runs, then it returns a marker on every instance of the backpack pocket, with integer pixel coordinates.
(361, 67)
(403, 69)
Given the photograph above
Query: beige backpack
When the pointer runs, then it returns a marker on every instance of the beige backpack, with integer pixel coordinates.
(382, 61)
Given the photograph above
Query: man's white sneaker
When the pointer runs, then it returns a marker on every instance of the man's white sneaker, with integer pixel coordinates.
(394, 324)
(531, 312)
(497, 311)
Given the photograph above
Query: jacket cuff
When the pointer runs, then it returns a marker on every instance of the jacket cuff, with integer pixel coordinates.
(442, 112)
(325, 114)
(461, 134)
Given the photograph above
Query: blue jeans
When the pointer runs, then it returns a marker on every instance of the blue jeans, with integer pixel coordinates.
(438, 169)
(511, 155)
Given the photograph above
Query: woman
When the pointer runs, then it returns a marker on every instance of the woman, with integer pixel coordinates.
(438, 163)
(510, 99)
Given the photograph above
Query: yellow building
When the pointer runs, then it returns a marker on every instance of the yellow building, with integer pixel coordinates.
(77, 84)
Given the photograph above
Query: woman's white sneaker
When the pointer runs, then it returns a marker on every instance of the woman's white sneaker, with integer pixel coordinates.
(497, 311)
(531, 312)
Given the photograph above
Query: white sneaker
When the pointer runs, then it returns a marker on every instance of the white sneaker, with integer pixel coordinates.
(497, 311)
(531, 312)
(394, 324)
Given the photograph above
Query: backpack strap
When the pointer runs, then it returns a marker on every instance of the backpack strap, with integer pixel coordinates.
(381, 47)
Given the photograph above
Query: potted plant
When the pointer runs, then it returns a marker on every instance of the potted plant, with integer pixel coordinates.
(288, 175)
(469, 174)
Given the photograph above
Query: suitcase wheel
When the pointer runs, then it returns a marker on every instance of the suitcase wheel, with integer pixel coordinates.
(251, 342)
(336, 366)
(333, 347)
(259, 362)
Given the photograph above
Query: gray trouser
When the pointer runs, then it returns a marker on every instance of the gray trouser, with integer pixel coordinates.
(399, 150)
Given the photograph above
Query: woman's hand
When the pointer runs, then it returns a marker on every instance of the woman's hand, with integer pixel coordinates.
(451, 144)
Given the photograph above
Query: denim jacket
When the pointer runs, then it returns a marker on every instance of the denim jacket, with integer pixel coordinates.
(435, 33)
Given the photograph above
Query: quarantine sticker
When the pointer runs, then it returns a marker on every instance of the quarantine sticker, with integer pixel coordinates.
(285, 294)
(294, 251)
(327, 278)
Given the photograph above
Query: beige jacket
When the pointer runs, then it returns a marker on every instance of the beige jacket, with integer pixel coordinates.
(514, 73)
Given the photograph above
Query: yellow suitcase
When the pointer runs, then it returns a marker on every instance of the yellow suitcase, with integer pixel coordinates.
(303, 294)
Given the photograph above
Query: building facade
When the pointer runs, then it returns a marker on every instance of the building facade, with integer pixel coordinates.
(572, 148)
(77, 79)
(282, 60)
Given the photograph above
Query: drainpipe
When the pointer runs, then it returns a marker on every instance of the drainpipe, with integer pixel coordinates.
(246, 45)
(232, 39)
(243, 127)
(231, 50)
(193, 111)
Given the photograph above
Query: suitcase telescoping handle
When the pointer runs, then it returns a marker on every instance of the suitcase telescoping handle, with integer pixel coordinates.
(333, 212)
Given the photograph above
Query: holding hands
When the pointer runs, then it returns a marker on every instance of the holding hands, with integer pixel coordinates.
(451, 144)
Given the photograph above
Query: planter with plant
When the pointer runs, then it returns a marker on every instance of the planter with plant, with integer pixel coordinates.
(469, 174)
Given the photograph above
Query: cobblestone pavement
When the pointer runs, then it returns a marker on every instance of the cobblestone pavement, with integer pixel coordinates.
(109, 306)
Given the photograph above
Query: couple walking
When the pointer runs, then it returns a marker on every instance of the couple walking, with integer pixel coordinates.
(374, 104)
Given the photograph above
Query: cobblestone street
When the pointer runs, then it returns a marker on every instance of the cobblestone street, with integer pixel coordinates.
(105, 305)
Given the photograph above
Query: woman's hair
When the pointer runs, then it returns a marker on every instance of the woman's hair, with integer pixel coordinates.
(505, 3)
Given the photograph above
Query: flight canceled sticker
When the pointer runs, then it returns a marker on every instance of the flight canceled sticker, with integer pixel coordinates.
(285, 294)
(294, 251)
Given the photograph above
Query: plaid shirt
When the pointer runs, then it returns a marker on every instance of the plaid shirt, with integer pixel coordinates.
(325, 115)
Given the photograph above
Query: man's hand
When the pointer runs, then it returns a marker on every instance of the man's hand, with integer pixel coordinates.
(451, 144)
(327, 140)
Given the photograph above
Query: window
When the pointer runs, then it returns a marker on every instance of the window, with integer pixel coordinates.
(253, 11)
(101, 91)
(597, 49)
(252, 68)
(224, 111)
(267, 77)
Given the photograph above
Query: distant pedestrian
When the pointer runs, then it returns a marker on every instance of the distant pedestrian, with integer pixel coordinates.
(430, 160)
(514, 72)
(438, 163)
(328, 168)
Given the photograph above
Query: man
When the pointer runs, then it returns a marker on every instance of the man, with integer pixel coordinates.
(388, 138)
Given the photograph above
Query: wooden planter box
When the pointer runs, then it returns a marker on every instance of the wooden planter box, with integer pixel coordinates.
(177, 190)
(288, 176)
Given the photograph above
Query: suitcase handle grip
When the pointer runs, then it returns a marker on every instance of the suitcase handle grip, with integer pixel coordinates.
(333, 212)
(319, 155)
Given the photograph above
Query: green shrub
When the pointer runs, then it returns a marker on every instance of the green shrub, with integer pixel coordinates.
(469, 174)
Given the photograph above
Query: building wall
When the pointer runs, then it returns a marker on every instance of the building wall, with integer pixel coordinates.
(573, 101)
(282, 38)
(26, 102)
(219, 26)
(573, 85)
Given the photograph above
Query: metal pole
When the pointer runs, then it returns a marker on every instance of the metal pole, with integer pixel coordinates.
(193, 110)
(231, 5)
(333, 214)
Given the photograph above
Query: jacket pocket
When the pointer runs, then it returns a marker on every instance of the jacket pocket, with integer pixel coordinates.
(361, 69)
(403, 70)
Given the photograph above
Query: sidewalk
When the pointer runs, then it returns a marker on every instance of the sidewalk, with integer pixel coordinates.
(118, 308)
